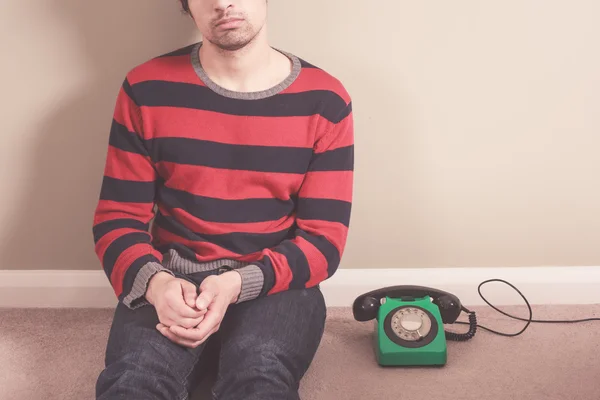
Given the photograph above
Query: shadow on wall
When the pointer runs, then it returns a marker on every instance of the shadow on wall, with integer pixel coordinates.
(52, 228)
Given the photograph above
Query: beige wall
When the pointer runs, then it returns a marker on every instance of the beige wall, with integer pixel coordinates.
(477, 123)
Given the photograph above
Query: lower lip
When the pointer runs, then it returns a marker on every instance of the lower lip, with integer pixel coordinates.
(230, 25)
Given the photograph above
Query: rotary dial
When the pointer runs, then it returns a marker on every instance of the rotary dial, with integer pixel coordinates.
(411, 324)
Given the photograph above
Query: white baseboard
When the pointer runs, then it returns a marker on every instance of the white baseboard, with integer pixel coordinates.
(541, 285)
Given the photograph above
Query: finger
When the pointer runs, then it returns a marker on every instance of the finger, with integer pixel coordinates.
(212, 332)
(190, 292)
(188, 312)
(189, 322)
(176, 339)
(178, 305)
(191, 335)
(166, 321)
(170, 317)
(213, 318)
(211, 321)
(209, 289)
(204, 299)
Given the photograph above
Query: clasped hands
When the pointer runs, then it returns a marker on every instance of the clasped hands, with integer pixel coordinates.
(186, 317)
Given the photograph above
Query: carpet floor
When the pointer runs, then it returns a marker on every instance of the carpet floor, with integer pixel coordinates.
(57, 354)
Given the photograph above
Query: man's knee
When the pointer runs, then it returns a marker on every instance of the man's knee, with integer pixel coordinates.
(265, 371)
(126, 380)
(144, 372)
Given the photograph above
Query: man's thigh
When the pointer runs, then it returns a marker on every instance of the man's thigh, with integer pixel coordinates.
(267, 345)
(142, 363)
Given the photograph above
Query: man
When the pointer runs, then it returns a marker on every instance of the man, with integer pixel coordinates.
(242, 156)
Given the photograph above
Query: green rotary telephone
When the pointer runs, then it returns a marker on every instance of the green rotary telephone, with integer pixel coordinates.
(409, 328)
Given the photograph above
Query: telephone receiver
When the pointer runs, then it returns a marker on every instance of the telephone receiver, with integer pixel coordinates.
(366, 306)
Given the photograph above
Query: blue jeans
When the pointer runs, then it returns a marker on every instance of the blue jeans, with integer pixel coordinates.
(262, 351)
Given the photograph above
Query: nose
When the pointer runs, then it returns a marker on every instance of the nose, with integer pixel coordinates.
(223, 5)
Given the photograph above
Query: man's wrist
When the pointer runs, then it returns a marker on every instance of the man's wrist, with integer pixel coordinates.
(155, 282)
(233, 281)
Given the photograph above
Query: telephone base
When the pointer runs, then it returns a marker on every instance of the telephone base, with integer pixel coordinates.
(397, 347)
(411, 360)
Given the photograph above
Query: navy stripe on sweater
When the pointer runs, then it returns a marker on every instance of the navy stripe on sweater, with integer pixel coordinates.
(237, 242)
(177, 94)
(294, 160)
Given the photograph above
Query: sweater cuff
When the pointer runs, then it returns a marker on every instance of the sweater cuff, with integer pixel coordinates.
(135, 298)
(252, 282)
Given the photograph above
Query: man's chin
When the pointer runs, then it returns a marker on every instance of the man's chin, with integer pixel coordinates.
(231, 43)
(232, 46)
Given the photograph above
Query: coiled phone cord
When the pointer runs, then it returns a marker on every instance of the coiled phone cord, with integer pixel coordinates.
(461, 337)
(473, 321)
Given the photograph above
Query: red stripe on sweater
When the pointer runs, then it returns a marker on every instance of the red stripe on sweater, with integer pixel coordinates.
(172, 69)
(108, 210)
(230, 129)
(335, 232)
(339, 135)
(124, 261)
(198, 225)
(316, 261)
(335, 185)
(281, 269)
(128, 166)
(127, 112)
(229, 184)
(106, 240)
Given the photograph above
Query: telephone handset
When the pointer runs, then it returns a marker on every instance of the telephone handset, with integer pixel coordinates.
(365, 306)
(410, 323)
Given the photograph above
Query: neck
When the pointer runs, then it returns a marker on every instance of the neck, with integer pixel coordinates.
(243, 70)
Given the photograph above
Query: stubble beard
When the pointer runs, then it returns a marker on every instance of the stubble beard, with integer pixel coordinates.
(234, 40)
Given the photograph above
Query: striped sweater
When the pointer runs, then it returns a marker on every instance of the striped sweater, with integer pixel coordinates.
(198, 177)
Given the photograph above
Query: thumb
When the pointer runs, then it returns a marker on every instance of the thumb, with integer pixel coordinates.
(208, 291)
(189, 293)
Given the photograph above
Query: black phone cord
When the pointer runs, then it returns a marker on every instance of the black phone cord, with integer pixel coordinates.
(528, 320)
(461, 337)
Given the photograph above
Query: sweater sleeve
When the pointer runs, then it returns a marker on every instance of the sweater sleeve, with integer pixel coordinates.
(324, 202)
(125, 208)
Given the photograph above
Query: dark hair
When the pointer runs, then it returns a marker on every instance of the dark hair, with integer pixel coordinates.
(185, 5)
